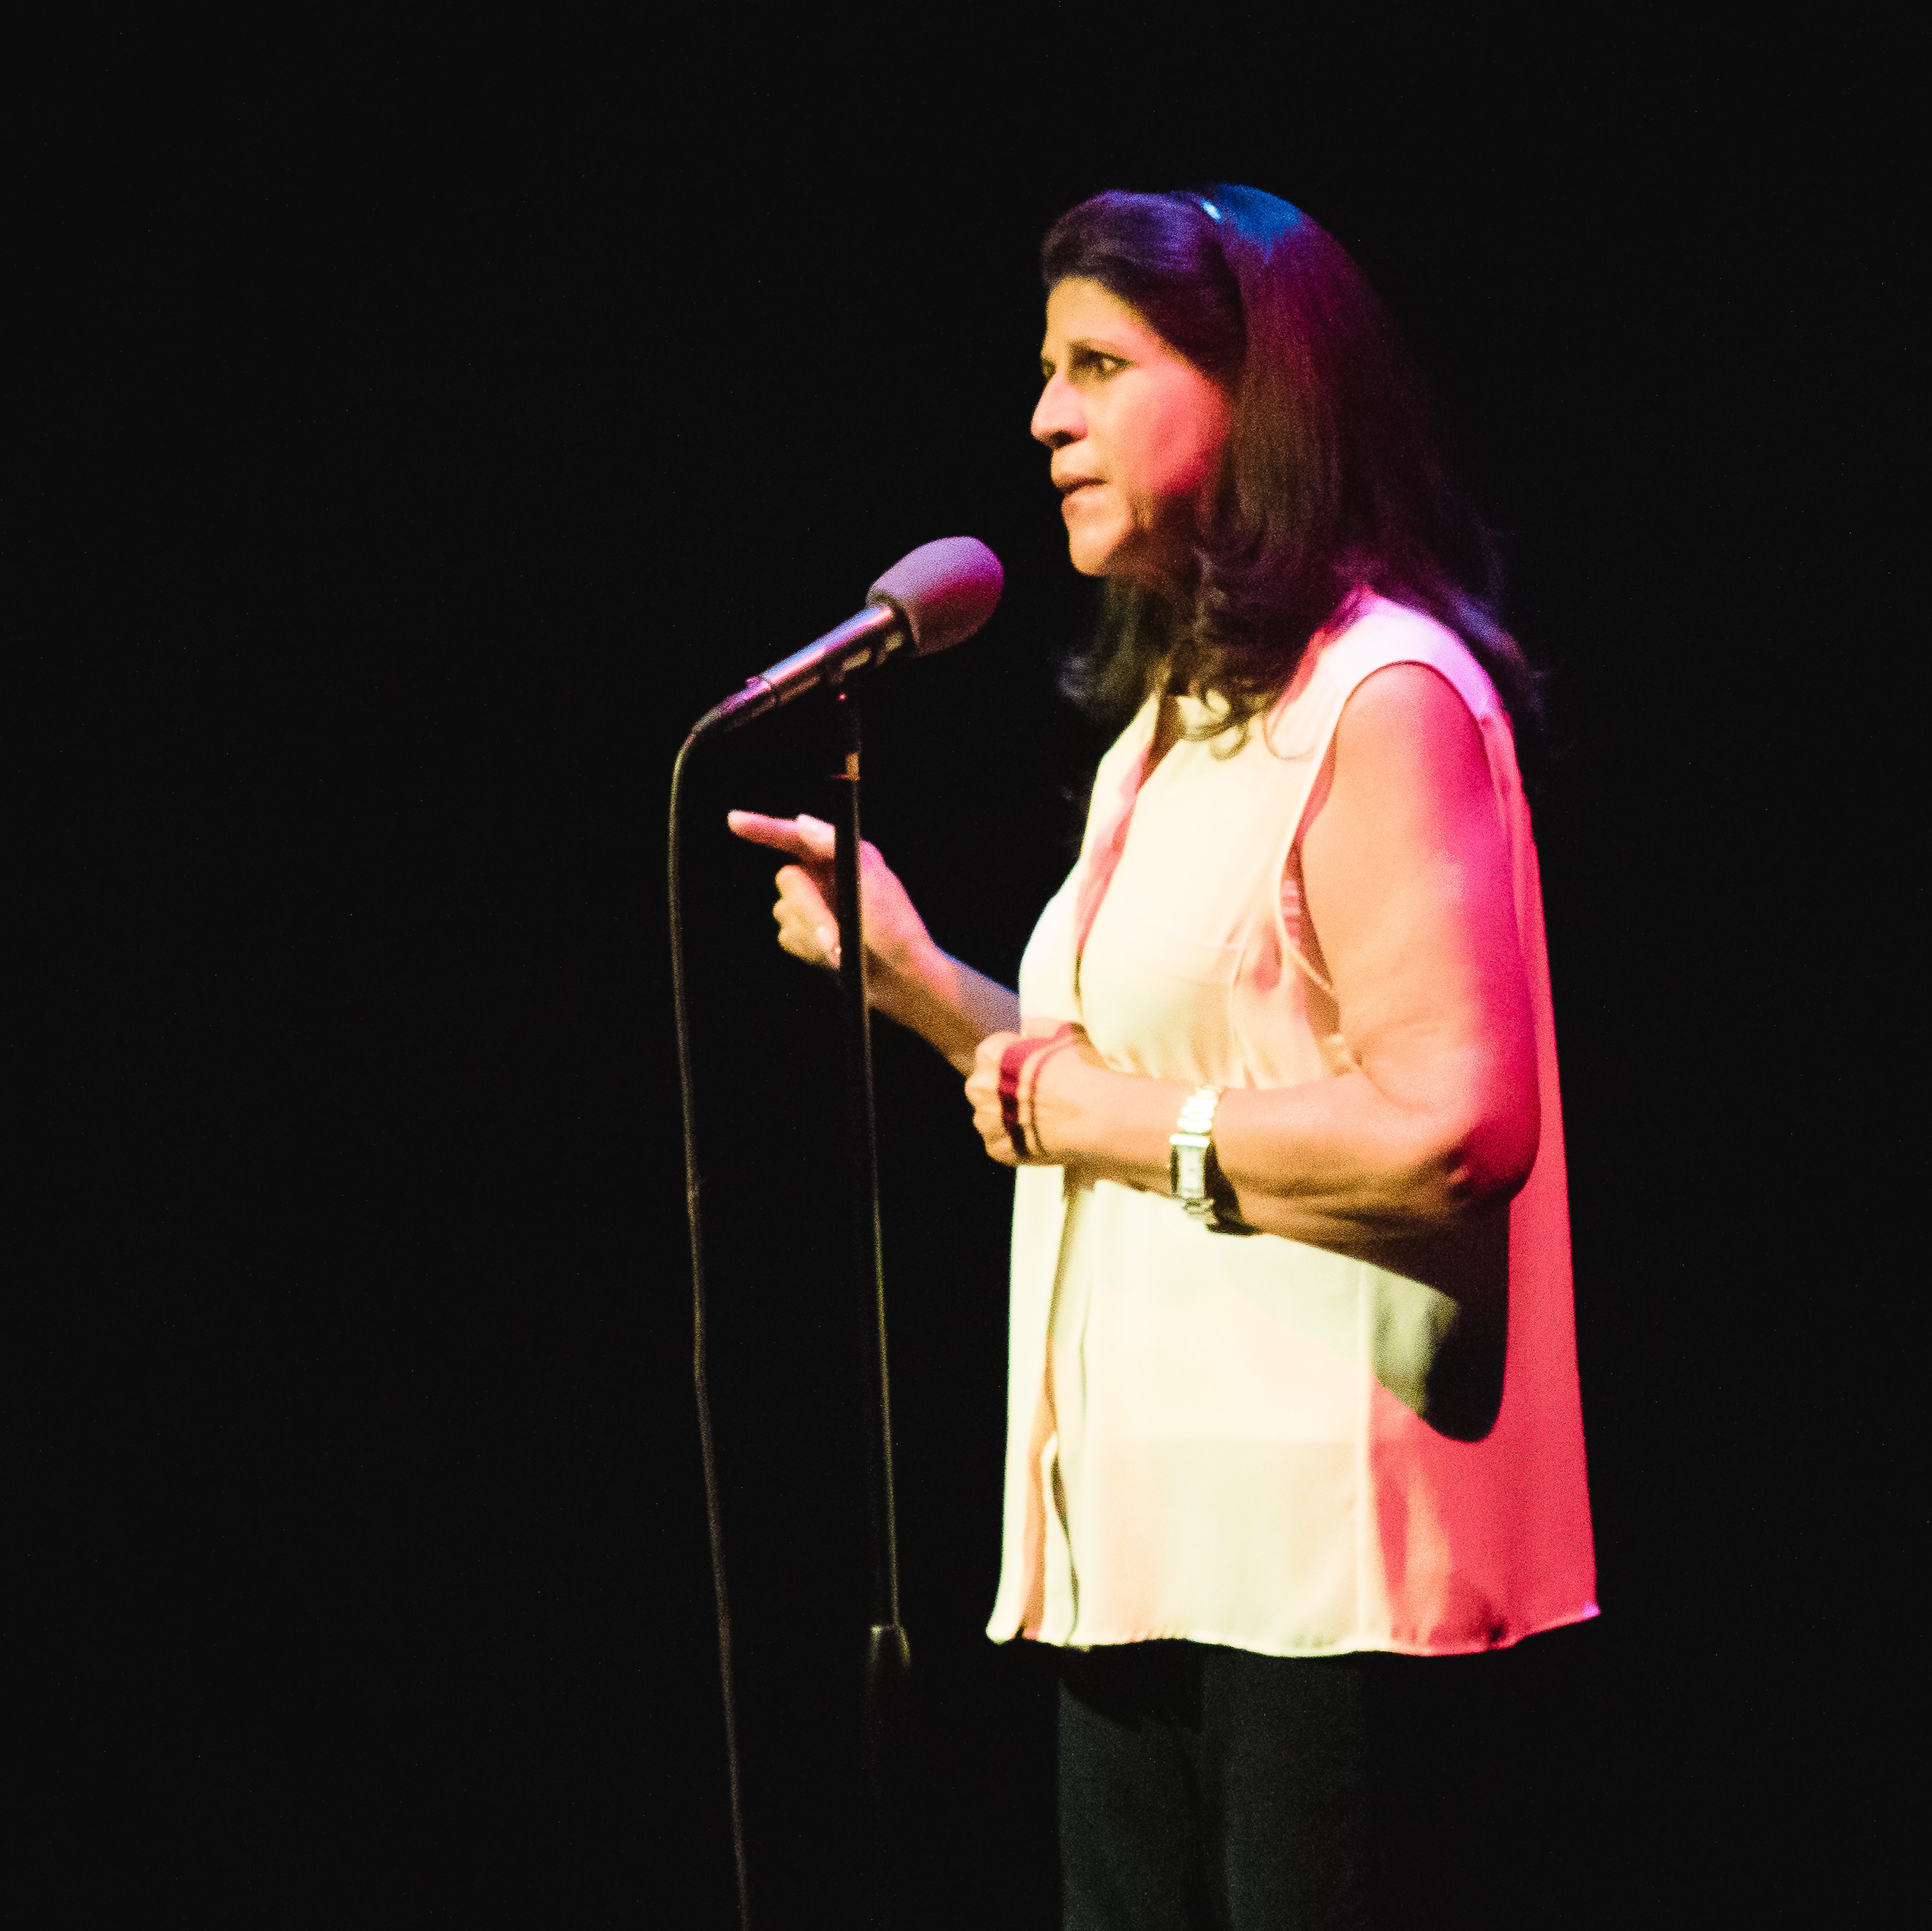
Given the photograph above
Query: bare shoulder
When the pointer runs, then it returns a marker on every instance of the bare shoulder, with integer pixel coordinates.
(1406, 697)
(1406, 723)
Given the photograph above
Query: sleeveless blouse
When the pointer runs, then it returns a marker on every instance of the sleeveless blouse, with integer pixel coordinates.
(1223, 1437)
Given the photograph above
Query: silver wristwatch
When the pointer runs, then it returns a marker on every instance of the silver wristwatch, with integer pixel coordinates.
(1190, 1147)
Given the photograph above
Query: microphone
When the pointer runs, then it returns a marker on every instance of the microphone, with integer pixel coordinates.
(936, 596)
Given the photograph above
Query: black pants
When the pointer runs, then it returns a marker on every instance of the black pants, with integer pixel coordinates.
(1205, 1789)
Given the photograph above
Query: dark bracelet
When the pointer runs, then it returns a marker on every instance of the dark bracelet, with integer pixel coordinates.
(1012, 1070)
(1013, 1063)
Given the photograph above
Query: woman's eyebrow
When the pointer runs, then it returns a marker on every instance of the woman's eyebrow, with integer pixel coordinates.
(1083, 348)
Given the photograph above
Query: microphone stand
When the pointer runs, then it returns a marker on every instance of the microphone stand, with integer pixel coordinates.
(888, 1660)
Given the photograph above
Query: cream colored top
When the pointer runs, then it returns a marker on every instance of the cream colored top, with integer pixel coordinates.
(1222, 1436)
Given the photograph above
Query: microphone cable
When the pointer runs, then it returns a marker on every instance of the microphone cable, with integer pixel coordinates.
(713, 1524)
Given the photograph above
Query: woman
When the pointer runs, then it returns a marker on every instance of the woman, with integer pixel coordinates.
(1292, 1371)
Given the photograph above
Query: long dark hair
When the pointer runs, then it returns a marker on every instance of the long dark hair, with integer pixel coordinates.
(1337, 476)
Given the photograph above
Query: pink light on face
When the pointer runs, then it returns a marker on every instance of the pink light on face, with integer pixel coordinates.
(1136, 432)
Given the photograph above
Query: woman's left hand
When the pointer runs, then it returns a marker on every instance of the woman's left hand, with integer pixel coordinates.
(1048, 1082)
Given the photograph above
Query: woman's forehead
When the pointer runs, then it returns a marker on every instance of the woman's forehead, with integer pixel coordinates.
(1079, 307)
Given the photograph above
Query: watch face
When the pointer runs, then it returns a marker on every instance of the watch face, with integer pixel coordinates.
(1190, 1171)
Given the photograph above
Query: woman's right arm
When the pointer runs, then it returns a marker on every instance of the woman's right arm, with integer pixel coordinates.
(908, 977)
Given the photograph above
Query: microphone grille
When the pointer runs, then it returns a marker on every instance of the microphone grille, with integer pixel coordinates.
(945, 591)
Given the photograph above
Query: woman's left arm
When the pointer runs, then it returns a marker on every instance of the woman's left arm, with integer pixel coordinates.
(1405, 867)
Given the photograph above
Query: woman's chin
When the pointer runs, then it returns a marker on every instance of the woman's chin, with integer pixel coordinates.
(1092, 553)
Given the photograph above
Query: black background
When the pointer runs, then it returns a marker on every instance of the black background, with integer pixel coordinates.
(453, 419)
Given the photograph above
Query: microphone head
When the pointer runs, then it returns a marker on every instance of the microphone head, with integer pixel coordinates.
(945, 591)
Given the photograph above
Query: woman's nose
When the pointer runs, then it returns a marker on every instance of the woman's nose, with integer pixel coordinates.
(1057, 416)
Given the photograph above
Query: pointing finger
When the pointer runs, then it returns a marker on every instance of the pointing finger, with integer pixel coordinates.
(781, 834)
(803, 837)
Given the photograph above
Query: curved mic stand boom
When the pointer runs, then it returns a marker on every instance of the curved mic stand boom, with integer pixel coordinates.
(888, 1659)
(933, 599)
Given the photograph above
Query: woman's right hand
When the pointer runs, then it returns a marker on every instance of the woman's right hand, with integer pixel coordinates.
(808, 920)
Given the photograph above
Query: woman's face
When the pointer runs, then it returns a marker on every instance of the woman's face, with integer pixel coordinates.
(1136, 432)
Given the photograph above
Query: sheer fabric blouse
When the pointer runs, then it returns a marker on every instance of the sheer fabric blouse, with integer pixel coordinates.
(1246, 1441)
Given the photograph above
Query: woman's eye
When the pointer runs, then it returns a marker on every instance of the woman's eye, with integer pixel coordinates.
(1086, 362)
